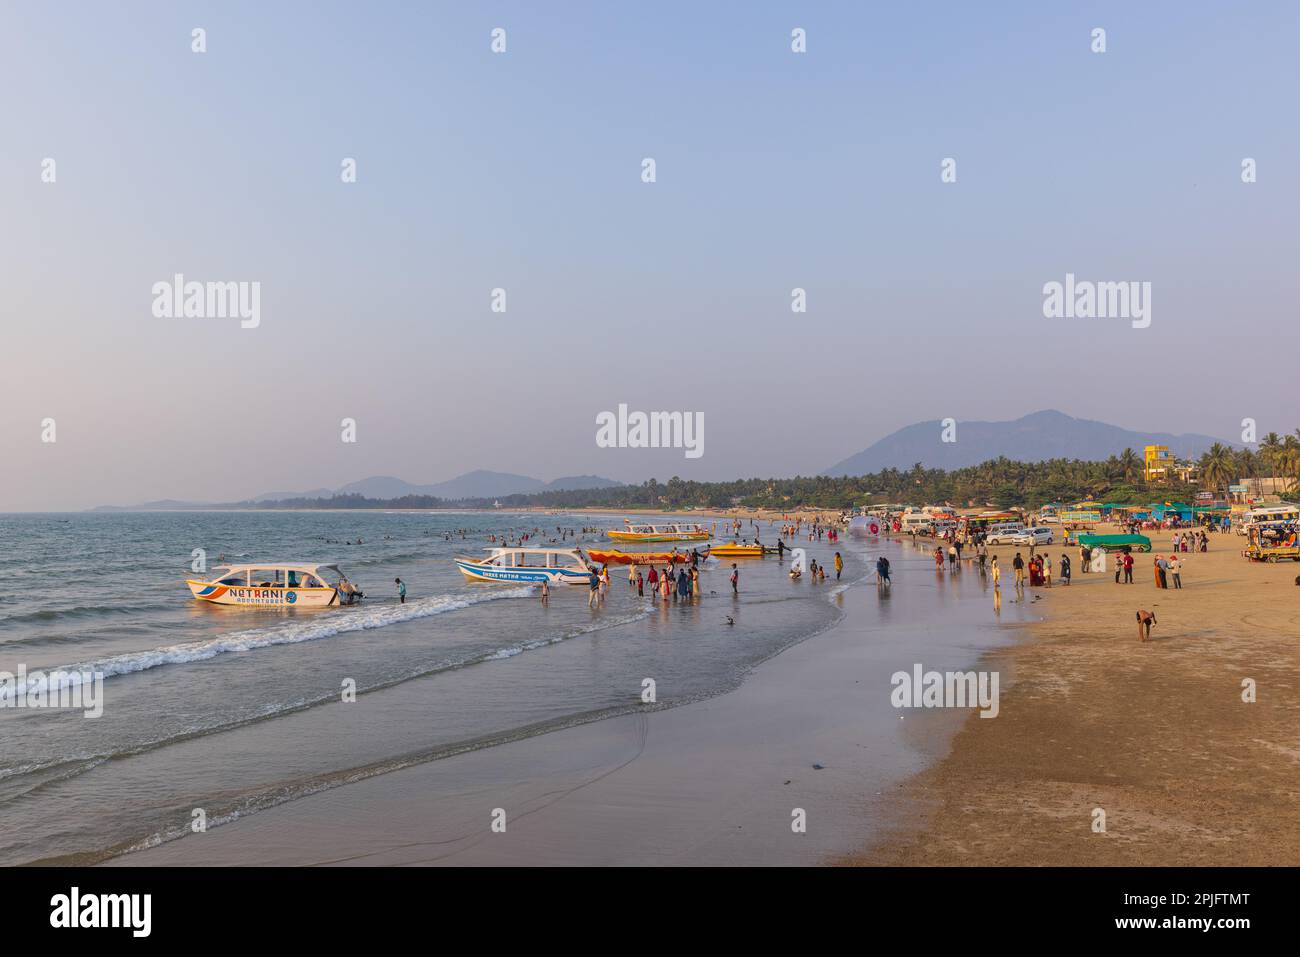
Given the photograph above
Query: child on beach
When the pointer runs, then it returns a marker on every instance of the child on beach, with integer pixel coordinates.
(640, 585)
(546, 593)
(839, 565)
(401, 590)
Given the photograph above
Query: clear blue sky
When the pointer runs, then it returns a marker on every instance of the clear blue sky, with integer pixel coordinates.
(522, 170)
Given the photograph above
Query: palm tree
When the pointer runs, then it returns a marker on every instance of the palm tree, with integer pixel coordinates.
(1217, 466)
(1269, 450)
(1131, 466)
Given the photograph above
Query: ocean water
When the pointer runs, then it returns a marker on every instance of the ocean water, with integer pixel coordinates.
(233, 709)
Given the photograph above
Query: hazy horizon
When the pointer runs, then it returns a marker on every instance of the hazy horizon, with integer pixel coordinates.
(522, 170)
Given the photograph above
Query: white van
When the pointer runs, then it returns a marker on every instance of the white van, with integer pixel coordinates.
(917, 522)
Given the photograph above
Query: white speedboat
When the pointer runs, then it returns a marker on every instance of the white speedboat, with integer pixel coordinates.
(559, 566)
(280, 584)
(674, 532)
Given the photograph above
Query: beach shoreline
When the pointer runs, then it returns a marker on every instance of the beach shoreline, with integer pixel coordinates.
(715, 781)
(1154, 735)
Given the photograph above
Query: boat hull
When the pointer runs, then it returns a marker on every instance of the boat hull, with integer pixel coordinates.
(620, 536)
(521, 575)
(215, 593)
(737, 551)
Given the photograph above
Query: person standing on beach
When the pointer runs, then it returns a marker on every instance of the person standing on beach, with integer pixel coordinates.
(1161, 580)
(401, 590)
(653, 580)
(735, 579)
(640, 585)
(1085, 557)
(952, 558)
(631, 575)
(1176, 570)
(546, 592)
(1065, 569)
(1119, 567)
(839, 565)
(1018, 564)
(1128, 568)
(997, 573)
(593, 582)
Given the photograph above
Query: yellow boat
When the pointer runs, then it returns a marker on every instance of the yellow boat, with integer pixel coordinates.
(736, 551)
(675, 532)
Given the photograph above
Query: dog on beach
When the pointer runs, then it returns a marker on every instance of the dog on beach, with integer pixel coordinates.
(1145, 620)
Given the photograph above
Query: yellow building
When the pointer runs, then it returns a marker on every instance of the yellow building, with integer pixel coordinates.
(1158, 463)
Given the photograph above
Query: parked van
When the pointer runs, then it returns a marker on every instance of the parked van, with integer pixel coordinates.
(917, 522)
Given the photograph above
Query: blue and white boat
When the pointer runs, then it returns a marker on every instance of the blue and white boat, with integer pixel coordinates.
(559, 566)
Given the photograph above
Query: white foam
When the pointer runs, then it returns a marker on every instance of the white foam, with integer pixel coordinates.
(323, 626)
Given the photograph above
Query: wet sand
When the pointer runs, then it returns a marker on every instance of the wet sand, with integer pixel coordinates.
(1156, 734)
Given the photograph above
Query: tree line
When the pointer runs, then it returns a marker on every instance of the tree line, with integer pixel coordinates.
(997, 483)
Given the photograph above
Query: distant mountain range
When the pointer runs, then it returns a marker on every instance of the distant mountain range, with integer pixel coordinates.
(1031, 438)
(477, 484)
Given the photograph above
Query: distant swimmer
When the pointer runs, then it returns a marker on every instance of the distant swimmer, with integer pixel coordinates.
(730, 620)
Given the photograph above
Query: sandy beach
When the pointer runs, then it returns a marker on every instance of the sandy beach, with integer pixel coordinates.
(1156, 734)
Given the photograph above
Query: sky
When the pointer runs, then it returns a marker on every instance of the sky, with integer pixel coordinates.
(523, 171)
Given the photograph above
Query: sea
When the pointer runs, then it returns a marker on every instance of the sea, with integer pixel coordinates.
(220, 712)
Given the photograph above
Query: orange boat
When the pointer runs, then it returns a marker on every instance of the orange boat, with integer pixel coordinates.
(640, 558)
